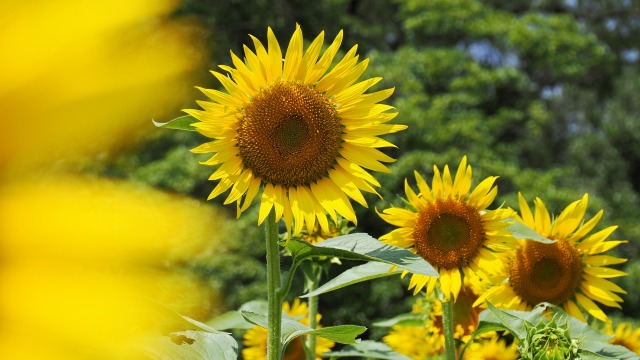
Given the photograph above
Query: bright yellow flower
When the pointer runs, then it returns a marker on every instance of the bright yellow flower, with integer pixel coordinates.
(303, 131)
(493, 348)
(419, 341)
(450, 228)
(255, 339)
(569, 273)
(627, 336)
(415, 341)
(97, 69)
(100, 250)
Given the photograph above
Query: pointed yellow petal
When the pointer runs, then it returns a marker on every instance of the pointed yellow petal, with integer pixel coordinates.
(603, 272)
(525, 212)
(266, 203)
(275, 55)
(293, 59)
(591, 307)
(542, 218)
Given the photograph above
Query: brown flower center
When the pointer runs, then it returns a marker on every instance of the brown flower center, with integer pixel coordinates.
(448, 234)
(289, 134)
(546, 272)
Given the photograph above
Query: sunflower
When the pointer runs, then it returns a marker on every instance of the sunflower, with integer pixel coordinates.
(305, 132)
(415, 341)
(625, 335)
(450, 228)
(255, 339)
(570, 273)
(492, 348)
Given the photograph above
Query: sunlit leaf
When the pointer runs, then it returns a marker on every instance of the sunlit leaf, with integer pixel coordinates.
(179, 123)
(522, 231)
(368, 271)
(402, 319)
(362, 247)
(368, 350)
(234, 319)
(192, 345)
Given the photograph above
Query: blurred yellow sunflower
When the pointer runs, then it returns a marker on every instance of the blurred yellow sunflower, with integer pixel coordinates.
(492, 348)
(255, 339)
(303, 131)
(570, 273)
(419, 341)
(625, 335)
(450, 228)
(415, 341)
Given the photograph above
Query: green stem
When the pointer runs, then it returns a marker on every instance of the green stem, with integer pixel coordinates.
(447, 324)
(312, 283)
(274, 315)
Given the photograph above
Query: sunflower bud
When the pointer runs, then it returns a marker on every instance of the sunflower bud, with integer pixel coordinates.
(549, 341)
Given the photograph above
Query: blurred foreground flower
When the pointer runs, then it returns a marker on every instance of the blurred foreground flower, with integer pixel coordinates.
(570, 273)
(82, 258)
(299, 128)
(78, 75)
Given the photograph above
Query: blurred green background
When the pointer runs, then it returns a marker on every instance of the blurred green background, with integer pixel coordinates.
(540, 93)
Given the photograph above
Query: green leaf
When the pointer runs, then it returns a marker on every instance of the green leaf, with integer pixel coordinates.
(369, 350)
(361, 247)
(192, 345)
(179, 123)
(598, 350)
(510, 319)
(522, 231)
(402, 319)
(369, 271)
(291, 329)
(234, 319)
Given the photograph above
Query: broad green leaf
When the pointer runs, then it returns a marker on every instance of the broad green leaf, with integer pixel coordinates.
(511, 320)
(343, 334)
(234, 320)
(402, 319)
(522, 231)
(598, 350)
(369, 350)
(179, 123)
(361, 247)
(192, 345)
(369, 271)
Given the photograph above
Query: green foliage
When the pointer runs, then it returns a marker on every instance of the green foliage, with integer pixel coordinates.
(562, 337)
(291, 329)
(360, 247)
(368, 350)
(369, 271)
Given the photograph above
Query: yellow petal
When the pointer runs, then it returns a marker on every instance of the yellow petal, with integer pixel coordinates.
(591, 307)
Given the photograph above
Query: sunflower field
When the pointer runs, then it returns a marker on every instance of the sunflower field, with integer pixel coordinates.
(289, 179)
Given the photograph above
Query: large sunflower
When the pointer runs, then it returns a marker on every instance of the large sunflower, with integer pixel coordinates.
(255, 339)
(450, 228)
(303, 131)
(569, 273)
